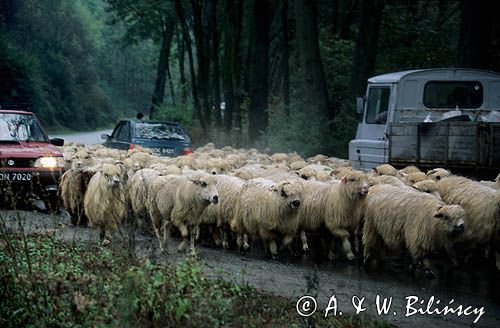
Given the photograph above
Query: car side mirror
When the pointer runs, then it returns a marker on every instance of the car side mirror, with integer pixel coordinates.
(57, 142)
(105, 136)
(360, 104)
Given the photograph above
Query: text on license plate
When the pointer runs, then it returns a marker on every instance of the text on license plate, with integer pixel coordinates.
(169, 151)
(15, 176)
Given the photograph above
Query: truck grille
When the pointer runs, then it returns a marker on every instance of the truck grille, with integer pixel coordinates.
(17, 162)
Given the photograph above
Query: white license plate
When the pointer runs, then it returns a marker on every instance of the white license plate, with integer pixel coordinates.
(15, 176)
(163, 151)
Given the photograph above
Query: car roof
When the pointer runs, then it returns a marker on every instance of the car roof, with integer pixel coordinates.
(395, 77)
(15, 111)
(150, 121)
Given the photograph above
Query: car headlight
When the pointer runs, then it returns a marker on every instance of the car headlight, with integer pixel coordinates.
(49, 162)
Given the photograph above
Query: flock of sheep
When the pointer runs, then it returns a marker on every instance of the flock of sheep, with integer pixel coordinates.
(243, 194)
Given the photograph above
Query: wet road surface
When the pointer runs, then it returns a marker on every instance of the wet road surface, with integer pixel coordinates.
(477, 285)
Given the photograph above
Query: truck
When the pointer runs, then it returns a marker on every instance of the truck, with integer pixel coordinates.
(444, 117)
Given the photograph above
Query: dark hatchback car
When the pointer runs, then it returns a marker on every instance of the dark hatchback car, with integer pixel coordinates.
(163, 138)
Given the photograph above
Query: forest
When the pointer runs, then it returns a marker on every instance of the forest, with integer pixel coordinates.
(280, 75)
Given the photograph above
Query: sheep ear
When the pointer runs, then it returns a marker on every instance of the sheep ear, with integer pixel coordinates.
(403, 174)
(439, 214)
(193, 178)
(343, 180)
(448, 171)
(273, 188)
(375, 170)
(334, 172)
(431, 172)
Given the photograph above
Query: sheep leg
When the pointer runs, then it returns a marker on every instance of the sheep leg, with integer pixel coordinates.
(223, 233)
(332, 250)
(165, 228)
(303, 238)
(239, 242)
(184, 233)
(246, 246)
(427, 268)
(273, 248)
(194, 235)
(287, 242)
(344, 235)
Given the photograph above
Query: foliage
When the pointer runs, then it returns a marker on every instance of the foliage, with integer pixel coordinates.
(46, 282)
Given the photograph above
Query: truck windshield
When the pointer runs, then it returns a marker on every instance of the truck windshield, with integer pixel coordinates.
(378, 105)
(20, 127)
(453, 94)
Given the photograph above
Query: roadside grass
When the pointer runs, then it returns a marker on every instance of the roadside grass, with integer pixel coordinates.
(47, 282)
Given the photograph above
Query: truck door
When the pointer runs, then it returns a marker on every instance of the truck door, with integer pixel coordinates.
(370, 148)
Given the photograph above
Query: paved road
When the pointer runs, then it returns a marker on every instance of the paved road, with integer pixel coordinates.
(87, 138)
(467, 286)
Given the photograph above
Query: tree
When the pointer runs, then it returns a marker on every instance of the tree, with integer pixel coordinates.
(148, 20)
(258, 86)
(310, 59)
(365, 51)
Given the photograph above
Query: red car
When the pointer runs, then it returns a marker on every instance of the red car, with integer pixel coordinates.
(30, 163)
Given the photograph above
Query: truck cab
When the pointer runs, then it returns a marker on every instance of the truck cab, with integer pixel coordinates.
(432, 117)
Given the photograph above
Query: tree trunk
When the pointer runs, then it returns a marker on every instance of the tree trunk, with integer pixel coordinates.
(285, 61)
(475, 34)
(258, 88)
(232, 65)
(365, 51)
(182, 74)
(214, 54)
(310, 57)
(185, 31)
(202, 57)
(161, 70)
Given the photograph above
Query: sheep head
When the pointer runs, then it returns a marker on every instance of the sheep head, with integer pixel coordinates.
(438, 174)
(206, 187)
(451, 219)
(355, 183)
(110, 175)
(290, 190)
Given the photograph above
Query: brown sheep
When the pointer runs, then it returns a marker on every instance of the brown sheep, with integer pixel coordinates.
(72, 186)
(105, 200)
(397, 218)
(265, 208)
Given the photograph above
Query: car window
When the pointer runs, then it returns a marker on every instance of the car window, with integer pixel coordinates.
(378, 105)
(124, 132)
(20, 127)
(452, 94)
(145, 130)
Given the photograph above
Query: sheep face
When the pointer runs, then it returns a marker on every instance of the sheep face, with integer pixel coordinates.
(291, 191)
(81, 159)
(451, 219)
(206, 188)
(110, 175)
(356, 183)
(438, 174)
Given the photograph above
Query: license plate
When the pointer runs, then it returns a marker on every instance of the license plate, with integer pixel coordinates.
(163, 151)
(15, 176)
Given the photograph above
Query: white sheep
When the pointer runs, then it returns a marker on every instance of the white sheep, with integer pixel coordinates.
(265, 208)
(105, 200)
(398, 218)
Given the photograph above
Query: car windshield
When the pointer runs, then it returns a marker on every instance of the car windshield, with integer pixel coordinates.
(20, 127)
(145, 130)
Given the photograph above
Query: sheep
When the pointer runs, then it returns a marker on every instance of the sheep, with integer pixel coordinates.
(387, 179)
(180, 200)
(397, 218)
(105, 200)
(318, 159)
(220, 214)
(72, 186)
(409, 169)
(385, 169)
(81, 159)
(344, 210)
(438, 174)
(279, 157)
(138, 195)
(297, 165)
(217, 166)
(414, 177)
(428, 186)
(495, 184)
(265, 208)
(315, 172)
(482, 205)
